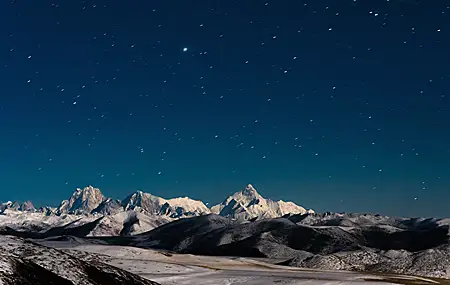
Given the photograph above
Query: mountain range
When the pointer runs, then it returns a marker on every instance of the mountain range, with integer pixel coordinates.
(136, 213)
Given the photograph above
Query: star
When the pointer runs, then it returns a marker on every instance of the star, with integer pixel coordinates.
(264, 98)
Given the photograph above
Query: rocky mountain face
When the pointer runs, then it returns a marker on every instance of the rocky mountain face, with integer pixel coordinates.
(83, 201)
(15, 206)
(48, 211)
(27, 206)
(9, 206)
(145, 201)
(108, 207)
(248, 204)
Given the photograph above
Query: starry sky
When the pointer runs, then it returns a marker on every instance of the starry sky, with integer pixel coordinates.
(336, 105)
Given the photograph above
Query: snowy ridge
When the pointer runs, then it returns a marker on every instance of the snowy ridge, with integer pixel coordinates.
(177, 207)
(174, 208)
(146, 201)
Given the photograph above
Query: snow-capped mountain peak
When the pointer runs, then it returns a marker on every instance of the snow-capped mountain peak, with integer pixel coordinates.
(188, 203)
(15, 206)
(248, 203)
(146, 201)
(27, 206)
(184, 206)
(246, 195)
(82, 201)
(250, 192)
(175, 207)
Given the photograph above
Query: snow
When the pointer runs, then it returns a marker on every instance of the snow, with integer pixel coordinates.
(108, 225)
(189, 205)
(113, 225)
(19, 220)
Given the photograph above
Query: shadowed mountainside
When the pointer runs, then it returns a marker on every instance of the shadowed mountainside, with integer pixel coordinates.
(25, 262)
(368, 242)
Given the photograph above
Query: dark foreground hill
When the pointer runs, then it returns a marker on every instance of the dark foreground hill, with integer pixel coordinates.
(341, 242)
(23, 262)
(356, 242)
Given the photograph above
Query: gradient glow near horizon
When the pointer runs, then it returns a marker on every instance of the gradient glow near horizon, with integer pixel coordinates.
(335, 105)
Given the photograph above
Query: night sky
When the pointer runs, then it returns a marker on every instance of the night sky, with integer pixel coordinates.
(335, 105)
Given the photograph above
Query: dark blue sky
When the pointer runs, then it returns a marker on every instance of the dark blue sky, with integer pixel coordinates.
(336, 105)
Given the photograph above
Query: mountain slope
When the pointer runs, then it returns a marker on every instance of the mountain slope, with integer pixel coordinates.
(216, 235)
(25, 262)
(108, 207)
(369, 243)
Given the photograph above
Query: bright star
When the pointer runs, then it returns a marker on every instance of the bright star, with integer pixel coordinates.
(185, 49)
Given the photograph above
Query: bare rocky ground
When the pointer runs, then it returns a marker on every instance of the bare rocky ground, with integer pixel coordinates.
(23, 262)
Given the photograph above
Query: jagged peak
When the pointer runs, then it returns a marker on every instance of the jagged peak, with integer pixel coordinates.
(249, 190)
(248, 203)
(246, 195)
(27, 206)
(87, 189)
(82, 200)
(141, 194)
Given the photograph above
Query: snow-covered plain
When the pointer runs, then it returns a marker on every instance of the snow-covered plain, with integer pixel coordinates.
(168, 268)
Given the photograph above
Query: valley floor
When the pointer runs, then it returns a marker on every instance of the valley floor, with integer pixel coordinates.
(167, 268)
